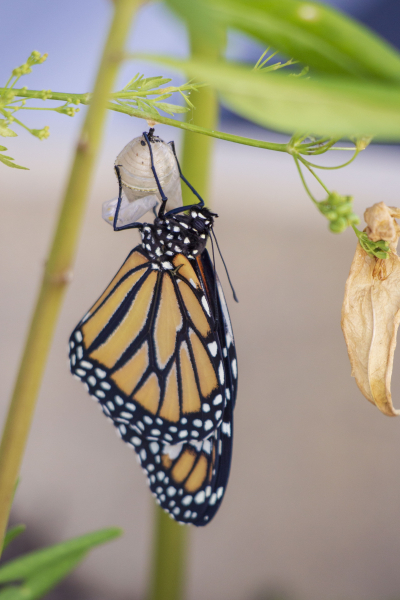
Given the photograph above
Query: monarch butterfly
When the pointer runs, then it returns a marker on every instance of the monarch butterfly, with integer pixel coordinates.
(157, 351)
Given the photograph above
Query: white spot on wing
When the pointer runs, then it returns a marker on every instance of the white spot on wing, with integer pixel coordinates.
(205, 305)
(234, 367)
(221, 374)
(126, 415)
(200, 497)
(213, 348)
(154, 447)
(226, 429)
(207, 446)
(173, 451)
(86, 365)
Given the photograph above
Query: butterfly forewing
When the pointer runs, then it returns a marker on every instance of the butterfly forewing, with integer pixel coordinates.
(149, 352)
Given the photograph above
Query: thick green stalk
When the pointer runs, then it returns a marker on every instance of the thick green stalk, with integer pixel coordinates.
(58, 267)
(170, 539)
(168, 566)
(197, 149)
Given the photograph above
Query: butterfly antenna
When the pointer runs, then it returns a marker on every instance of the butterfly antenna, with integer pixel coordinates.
(164, 198)
(226, 269)
(191, 188)
(215, 286)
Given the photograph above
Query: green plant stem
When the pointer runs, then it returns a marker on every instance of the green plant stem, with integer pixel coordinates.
(356, 153)
(296, 160)
(60, 259)
(197, 150)
(306, 164)
(169, 558)
(171, 539)
(85, 99)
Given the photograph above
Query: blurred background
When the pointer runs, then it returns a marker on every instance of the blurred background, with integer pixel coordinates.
(315, 482)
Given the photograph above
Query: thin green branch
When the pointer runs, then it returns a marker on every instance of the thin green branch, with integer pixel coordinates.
(345, 148)
(356, 153)
(85, 100)
(15, 120)
(296, 160)
(307, 165)
(59, 263)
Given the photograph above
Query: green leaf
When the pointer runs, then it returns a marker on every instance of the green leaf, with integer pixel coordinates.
(2, 148)
(313, 33)
(197, 15)
(7, 160)
(153, 82)
(147, 107)
(12, 534)
(326, 106)
(41, 582)
(379, 249)
(28, 565)
(5, 131)
(171, 109)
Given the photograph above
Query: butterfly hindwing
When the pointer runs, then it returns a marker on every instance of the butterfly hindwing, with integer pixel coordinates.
(188, 479)
(149, 353)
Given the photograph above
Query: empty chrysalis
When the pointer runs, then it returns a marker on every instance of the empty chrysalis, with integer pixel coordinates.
(139, 190)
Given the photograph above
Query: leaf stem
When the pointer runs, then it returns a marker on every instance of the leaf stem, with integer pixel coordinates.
(296, 160)
(306, 164)
(58, 266)
(356, 153)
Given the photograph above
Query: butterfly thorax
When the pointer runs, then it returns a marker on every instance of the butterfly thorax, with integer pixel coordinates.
(185, 234)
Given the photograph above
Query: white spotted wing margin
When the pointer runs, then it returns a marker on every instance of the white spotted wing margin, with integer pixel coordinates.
(189, 479)
(225, 330)
(107, 373)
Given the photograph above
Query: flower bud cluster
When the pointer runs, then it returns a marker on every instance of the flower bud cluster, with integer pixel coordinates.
(338, 210)
(70, 111)
(42, 134)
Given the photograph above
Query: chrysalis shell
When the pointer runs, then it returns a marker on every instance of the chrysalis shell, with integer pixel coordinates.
(140, 191)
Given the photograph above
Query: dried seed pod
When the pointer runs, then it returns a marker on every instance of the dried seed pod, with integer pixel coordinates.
(371, 310)
(140, 191)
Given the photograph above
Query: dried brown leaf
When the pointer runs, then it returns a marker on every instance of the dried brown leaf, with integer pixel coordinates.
(371, 311)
